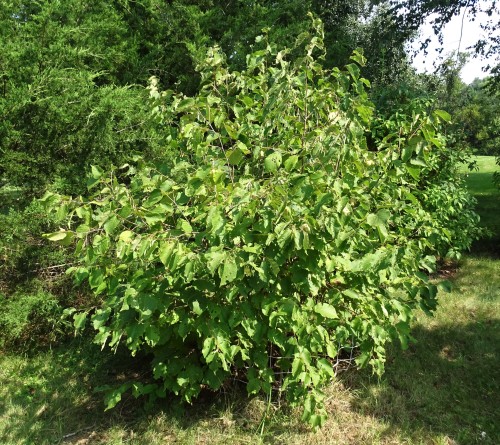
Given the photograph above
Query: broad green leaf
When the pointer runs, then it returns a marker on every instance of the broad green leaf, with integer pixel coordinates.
(186, 227)
(445, 285)
(248, 101)
(214, 260)
(291, 162)
(413, 171)
(358, 57)
(196, 308)
(235, 156)
(369, 262)
(96, 279)
(378, 221)
(231, 131)
(154, 218)
(353, 70)
(229, 271)
(186, 104)
(154, 197)
(79, 320)
(331, 350)
(83, 229)
(326, 310)
(443, 115)
(111, 224)
(407, 153)
(272, 162)
(126, 236)
(62, 236)
(96, 172)
(326, 366)
(208, 349)
(253, 386)
(114, 396)
(166, 251)
(418, 161)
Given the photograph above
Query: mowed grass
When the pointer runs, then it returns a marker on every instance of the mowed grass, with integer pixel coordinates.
(481, 184)
(443, 390)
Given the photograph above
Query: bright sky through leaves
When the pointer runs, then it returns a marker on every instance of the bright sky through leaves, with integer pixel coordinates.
(452, 42)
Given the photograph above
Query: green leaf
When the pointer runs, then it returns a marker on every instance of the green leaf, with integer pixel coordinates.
(111, 224)
(231, 131)
(378, 221)
(369, 262)
(413, 171)
(407, 153)
(381, 217)
(445, 286)
(363, 359)
(229, 271)
(153, 218)
(235, 156)
(331, 350)
(96, 172)
(326, 310)
(253, 386)
(196, 308)
(83, 229)
(215, 220)
(272, 162)
(291, 162)
(248, 101)
(96, 279)
(443, 115)
(326, 366)
(353, 70)
(214, 260)
(114, 396)
(80, 320)
(208, 349)
(358, 56)
(62, 237)
(186, 227)
(185, 104)
(166, 251)
(418, 161)
(126, 236)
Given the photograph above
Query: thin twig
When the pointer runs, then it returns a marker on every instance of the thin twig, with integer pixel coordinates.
(67, 436)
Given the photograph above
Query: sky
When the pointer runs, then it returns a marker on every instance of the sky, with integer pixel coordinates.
(471, 33)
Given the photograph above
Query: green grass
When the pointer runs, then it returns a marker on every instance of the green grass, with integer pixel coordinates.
(443, 390)
(481, 184)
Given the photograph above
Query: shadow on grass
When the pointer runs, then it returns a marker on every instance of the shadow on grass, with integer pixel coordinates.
(481, 183)
(486, 248)
(50, 398)
(447, 383)
(488, 207)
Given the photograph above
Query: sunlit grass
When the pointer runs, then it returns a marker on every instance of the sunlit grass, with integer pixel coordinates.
(481, 184)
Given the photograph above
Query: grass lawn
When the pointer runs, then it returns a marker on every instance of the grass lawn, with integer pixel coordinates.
(488, 205)
(443, 390)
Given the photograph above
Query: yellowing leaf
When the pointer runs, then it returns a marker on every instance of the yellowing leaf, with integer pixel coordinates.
(126, 236)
